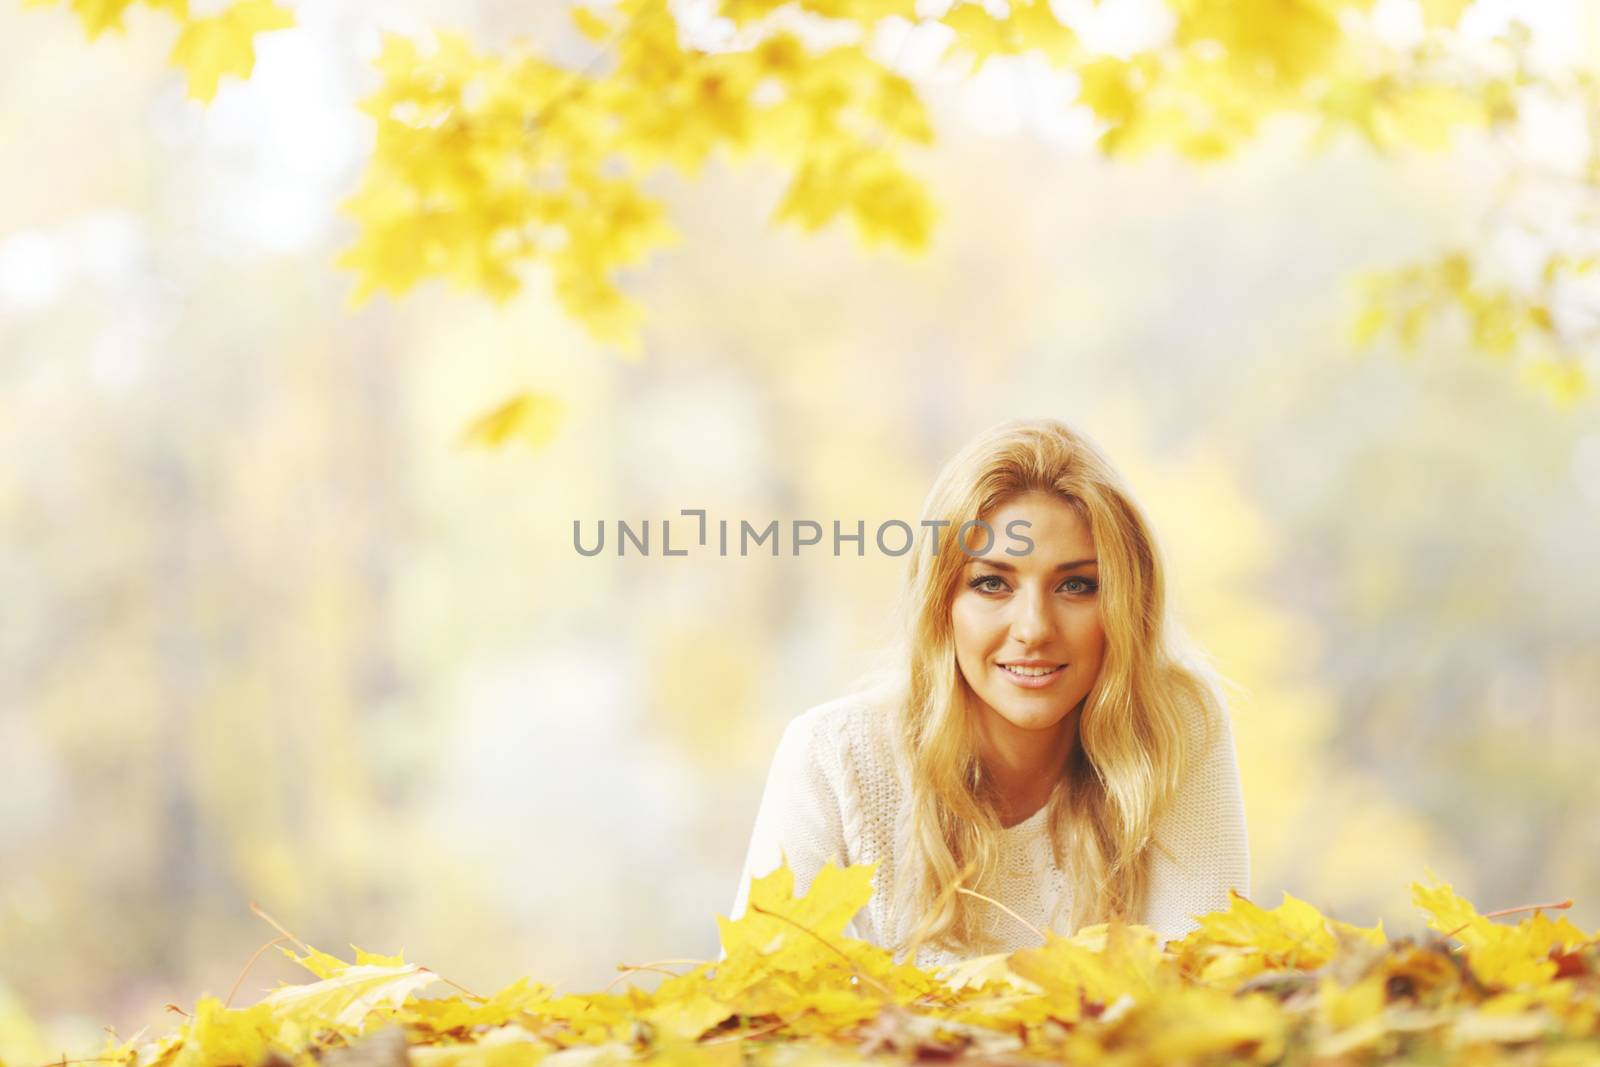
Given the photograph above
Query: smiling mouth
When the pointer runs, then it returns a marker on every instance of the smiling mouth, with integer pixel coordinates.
(1032, 672)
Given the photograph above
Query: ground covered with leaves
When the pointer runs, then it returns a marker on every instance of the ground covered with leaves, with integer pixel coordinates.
(1251, 985)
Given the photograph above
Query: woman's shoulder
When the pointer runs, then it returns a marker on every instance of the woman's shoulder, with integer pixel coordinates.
(852, 733)
(1203, 711)
(1210, 760)
(849, 741)
(842, 721)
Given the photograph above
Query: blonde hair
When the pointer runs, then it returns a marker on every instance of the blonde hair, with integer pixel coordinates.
(1133, 733)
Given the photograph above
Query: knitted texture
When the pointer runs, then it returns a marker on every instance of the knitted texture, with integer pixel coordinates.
(837, 791)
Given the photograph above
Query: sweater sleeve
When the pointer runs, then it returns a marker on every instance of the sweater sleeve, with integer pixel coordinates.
(1202, 846)
(799, 815)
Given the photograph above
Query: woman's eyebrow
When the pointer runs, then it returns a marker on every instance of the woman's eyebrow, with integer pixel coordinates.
(1002, 565)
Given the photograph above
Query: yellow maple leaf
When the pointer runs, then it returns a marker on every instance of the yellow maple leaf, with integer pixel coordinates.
(1187, 1023)
(1266, 42)
(1498, 953)
(835, 895)
(348, 991)
(1029, 25)
(1110, 87)
(1038, 27)
(886, 203)
(592, 298)
(347, 996)
(1293, 929)
(220, 1035)
(589, 23)
(1339, 1007)
(364, 958)
(1099, 967)
(530, 416)
(980, 971)
(1247, 939)
(980, 33)
(317, 962)
(456, 1013)
(1450, 914)
(208, 48)
(687, 1013)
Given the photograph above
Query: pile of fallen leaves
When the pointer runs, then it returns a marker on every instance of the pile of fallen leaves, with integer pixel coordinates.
(1251, 985)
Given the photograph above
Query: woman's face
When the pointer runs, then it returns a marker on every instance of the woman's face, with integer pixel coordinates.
(1027, 628)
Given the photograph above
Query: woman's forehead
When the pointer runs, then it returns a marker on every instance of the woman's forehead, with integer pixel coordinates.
(1035, 502)
(1049, 522)
(997, 559)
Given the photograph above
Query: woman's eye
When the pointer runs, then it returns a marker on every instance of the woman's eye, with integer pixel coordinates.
(993, 583)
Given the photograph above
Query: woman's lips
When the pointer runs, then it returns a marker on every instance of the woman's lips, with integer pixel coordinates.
(1032, 681)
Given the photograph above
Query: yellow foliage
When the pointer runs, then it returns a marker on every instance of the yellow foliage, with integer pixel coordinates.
(1247, 939)
(208, 48)
(1500, 955)
(887, 204)
(792, 987)
(1443, 12)
(98, 16)
(1563, 380)
(347, 996)
(217, 1034)
(1126, 963)
(1504, 321)
(777, 924)
(485, 163)
(1027, 25)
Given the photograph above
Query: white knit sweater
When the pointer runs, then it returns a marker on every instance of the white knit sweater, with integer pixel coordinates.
(837, 790)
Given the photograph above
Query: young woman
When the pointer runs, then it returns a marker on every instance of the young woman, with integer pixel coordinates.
(1042, 726)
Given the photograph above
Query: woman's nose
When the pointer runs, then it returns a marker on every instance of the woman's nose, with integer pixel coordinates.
(1031, 622)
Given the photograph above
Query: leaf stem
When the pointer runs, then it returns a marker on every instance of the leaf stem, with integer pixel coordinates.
(274, 924)
(635, 970)
(885, 990)
(249, 964)
(1557, 906)
(453, 985)
(1008, 911)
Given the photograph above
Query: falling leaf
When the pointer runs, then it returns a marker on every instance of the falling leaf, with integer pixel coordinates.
(533, 417)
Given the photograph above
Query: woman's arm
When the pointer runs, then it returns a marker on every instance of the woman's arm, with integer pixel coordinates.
(1202, 849)
(799, 815)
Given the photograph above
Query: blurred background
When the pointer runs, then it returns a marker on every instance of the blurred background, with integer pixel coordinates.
(270, 631)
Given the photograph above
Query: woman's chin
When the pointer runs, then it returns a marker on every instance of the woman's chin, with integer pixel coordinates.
(1032, 715)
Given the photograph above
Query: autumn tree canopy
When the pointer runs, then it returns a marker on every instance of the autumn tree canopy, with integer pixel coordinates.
(487, 162)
